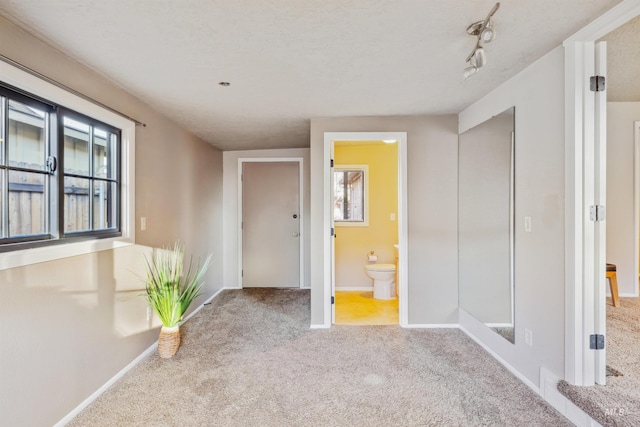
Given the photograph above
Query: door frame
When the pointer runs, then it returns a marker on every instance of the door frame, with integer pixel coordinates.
(403, 276)
(581, 253)
(636, 207)
(300, 162)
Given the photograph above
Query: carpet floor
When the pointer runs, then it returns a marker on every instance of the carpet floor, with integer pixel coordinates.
(618, 402)
(250, 359)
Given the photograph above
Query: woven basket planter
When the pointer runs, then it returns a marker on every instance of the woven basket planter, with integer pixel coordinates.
(169, 341)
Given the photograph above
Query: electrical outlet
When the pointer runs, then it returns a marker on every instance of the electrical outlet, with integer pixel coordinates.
(143, 223)
(149, 312)
(392, 217)
(528, 337)
(527, 224)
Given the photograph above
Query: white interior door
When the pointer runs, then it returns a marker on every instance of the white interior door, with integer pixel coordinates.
(600, 232)
(270, 225)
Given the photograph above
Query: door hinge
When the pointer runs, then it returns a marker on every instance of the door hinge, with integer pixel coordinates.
(597, 83)
(597, 213)
(333, 231)
(242, 225)
(241, 273)
(333, 300)
(596, 342)
(331, 162)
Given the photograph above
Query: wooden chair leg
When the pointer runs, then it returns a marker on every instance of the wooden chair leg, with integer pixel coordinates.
(613, 284)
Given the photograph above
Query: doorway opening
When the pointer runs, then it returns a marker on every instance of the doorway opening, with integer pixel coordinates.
(270, 240)
(351, 275)
(365, 206)
(586, 192)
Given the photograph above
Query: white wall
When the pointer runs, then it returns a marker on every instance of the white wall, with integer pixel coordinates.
(538, 96)
(230, 208)
(68, 326)
(432, 170)
(621, 238)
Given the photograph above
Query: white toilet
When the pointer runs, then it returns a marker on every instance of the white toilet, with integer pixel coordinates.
(383, 276)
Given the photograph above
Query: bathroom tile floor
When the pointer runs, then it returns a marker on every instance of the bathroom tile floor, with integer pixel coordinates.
(360, 308)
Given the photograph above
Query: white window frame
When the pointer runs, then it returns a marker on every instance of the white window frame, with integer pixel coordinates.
(38, 87)
(365, 169)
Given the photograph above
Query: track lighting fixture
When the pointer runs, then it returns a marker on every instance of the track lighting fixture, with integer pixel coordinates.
(478, 58)
(485, 33)
(469, 71)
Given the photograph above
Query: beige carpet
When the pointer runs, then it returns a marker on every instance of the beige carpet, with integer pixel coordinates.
(250, 359)
(618, 402)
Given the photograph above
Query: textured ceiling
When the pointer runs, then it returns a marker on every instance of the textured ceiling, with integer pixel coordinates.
(623, 62)
(291, 60)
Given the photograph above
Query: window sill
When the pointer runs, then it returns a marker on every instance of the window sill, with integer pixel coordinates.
(31, 256)
(351, 224)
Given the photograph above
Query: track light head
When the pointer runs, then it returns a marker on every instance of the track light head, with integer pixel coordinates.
(469, 72)
(479, 58)
(485, 33)
(488, 34)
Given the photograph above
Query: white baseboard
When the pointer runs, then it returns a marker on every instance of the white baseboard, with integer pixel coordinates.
(501, 360)
(71, 415)
(202, 305)
(355, 289)
(432, 326)
(319, 326)
(499, 325)
(549, 392)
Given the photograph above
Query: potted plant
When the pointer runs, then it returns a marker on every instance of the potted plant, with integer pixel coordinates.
(170, 291)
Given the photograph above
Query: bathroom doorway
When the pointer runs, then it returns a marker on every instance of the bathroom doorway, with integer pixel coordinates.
(365, 205)
(367, 216)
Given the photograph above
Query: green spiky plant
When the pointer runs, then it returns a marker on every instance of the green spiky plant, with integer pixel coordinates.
(169, 291)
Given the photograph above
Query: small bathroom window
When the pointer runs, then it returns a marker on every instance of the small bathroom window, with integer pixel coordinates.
(350, 195)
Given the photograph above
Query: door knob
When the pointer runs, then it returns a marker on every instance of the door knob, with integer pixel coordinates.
(295, 234)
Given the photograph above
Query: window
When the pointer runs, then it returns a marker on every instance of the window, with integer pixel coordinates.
(350, 196)
(59, 174)
(90, 175)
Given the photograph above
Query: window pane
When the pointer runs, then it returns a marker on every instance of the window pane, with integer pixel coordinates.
(338, 196)
(104, 205)
(26, 135)
(76, 204)
(104, 154)
(355, 193)
(27, 204)
(3, 232)
(76, 147)
(348, 196)
(100, 156)
(2, 142)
